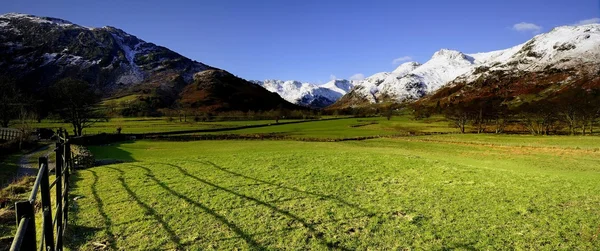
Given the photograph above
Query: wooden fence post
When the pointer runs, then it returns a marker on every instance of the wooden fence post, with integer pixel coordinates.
(59, 184)
(66, 167)
(46, 206)
(25, 209)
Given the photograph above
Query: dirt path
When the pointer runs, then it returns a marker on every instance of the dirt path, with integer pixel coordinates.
(28, 164)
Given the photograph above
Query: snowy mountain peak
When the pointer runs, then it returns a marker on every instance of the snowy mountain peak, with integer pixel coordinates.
(407, 67)
(36, 19)
(449, 54)
(308, 94)
(341, 84)
(562, 48)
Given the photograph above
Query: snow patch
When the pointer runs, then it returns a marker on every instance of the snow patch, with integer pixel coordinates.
(66, 59)
(134, 74)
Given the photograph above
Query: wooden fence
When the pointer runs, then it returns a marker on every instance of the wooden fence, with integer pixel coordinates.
(52, 227)
(10, 133)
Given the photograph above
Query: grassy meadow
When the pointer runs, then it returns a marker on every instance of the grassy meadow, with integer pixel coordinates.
(444, 191)
(349, 128)
(463, 192)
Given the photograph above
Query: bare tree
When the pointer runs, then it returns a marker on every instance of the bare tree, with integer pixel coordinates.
(459, 115)
(539, 117)
(388, 112)
(75, 102)
(577, 108)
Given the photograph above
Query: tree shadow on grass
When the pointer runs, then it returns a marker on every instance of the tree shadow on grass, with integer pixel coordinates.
(112, 151)
(79, 235)
(313, 232)
(149, 210)
(253, 244)
(463, 246)
(322, 196)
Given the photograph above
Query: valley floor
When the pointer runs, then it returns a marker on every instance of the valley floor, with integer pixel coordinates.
(466, 192)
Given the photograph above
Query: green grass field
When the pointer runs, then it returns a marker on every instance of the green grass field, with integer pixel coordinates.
(351, 127)
(464, 192)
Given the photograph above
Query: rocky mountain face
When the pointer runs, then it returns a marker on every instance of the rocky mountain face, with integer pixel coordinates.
(307, 94)
(38, 51)
(564, 49)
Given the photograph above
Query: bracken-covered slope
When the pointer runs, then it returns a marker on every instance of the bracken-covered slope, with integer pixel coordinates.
(38, 51)
(218, 90)
(563, 48)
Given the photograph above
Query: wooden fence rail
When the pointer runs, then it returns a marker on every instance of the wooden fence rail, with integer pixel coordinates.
(52, 227)
(10, 134)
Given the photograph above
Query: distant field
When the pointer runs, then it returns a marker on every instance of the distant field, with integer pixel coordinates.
(465, 192)
(145, 125)
(339, 128)
(352, 127)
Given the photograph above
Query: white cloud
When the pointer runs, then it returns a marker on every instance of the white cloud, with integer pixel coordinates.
(401, 59)
(523, 26)
(357, 76)
(332, 77)
(595, 20)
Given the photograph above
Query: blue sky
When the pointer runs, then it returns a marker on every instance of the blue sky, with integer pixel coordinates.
(313, 41)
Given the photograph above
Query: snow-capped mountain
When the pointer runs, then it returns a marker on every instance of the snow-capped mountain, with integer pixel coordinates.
(563, 47)
(38, 51)
(307, 94)
(546, 70)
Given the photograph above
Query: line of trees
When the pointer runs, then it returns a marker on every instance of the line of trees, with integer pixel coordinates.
(73, 101)
(573, 110)
(185, 115)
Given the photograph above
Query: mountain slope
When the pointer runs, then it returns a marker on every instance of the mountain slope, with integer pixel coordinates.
(38, 51)
(43, 49)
